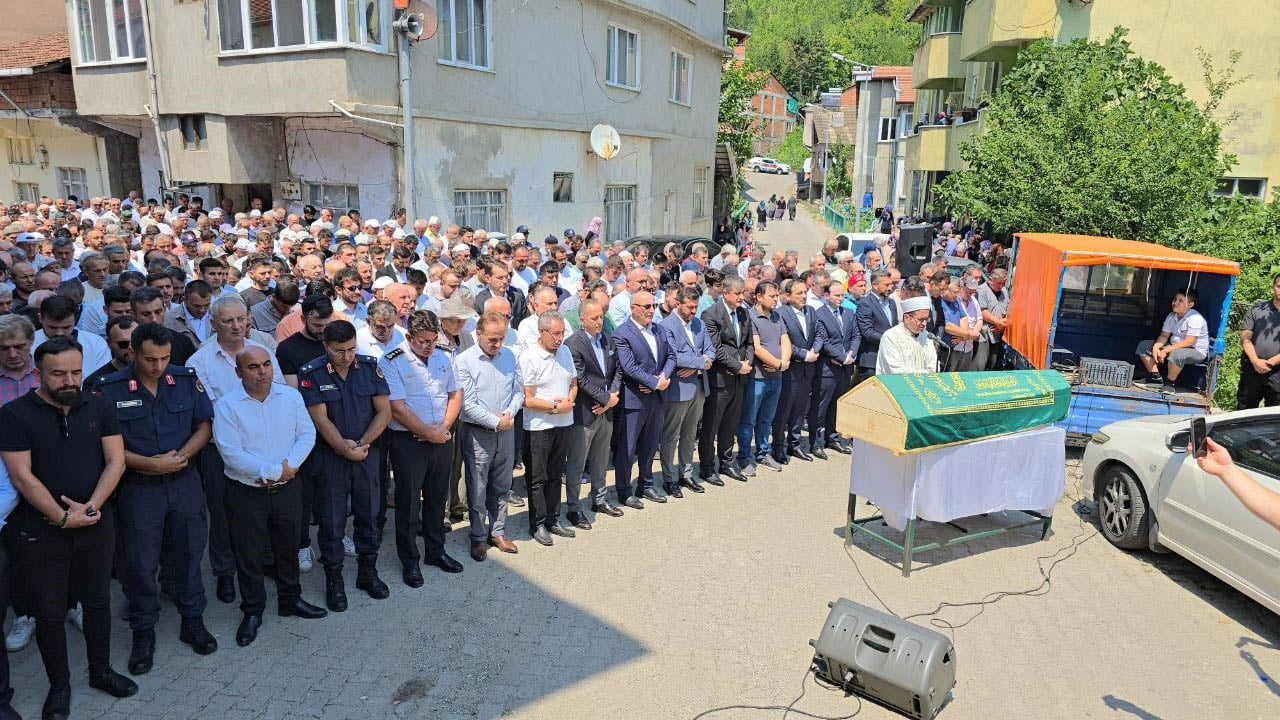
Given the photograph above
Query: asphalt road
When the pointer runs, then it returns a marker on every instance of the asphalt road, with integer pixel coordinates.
(805, 234)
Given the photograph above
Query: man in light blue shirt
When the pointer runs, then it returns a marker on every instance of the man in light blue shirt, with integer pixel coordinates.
(491, 396)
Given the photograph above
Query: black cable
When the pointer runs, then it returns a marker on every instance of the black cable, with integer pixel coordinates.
(790, 707)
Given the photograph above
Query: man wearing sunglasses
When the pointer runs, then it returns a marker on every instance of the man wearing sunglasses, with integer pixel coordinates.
(119, 331)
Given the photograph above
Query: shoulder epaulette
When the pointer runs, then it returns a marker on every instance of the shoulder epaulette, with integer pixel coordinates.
(367, 359)
(394, 354)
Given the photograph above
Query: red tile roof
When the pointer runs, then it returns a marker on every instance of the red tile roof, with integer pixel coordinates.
(906, 93)
(36, 52)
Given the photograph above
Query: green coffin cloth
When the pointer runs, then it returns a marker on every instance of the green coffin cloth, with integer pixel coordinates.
(947, 408)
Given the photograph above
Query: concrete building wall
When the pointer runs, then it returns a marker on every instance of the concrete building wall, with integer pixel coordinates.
(54, 146)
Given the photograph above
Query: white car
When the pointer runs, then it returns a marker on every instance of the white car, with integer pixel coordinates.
(768, 165)
(1152, 494)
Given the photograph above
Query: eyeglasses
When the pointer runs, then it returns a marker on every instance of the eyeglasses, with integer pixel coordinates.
(122, 344)
(554, 333)
(644, 307)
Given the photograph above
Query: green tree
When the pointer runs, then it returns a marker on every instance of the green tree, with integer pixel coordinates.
(792, 150)
(1089, 138)
(838, 182)
(738, 85)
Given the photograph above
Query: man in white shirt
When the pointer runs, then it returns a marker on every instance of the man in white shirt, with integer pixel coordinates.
(380, 332)
(264, 433)
(1183, 340)
(620, 306)
(527, 335)
(215, 365)
(58, 317)
(550, 389)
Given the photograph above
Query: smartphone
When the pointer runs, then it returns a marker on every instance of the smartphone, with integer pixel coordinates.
(1199, 448)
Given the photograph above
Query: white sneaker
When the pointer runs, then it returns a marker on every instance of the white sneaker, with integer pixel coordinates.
(76, 617)
(348, 546)
(304, 560)
(24, 626)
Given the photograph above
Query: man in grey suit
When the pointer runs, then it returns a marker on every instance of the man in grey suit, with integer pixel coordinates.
(683, 398)
(599, 385)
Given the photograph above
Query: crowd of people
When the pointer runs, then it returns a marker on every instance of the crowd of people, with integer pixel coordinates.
(179, 381)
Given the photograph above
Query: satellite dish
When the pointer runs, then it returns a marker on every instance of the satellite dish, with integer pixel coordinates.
(605, 141)
(427, 20)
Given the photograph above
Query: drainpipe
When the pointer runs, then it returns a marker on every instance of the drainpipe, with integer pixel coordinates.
(153, 107)
(408, 26)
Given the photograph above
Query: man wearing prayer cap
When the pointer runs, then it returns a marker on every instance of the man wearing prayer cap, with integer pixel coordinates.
(906, 347)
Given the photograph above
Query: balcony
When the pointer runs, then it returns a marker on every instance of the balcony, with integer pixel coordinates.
(996, 29)
(937, 64)
(937, 147)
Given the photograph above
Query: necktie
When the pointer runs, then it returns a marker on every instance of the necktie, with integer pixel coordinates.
(839, 324)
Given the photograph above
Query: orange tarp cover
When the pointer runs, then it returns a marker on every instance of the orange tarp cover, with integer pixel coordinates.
(1041, 257)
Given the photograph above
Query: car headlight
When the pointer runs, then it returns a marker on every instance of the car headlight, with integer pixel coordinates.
(1100, 438)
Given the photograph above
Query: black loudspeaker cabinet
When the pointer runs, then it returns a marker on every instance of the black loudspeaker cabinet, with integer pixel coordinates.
(915, 246)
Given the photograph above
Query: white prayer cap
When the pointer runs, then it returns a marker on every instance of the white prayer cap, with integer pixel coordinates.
(916, 303)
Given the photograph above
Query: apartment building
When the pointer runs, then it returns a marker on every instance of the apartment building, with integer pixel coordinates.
(966, 47)
(289, 101)
(773, 107)
(886, 106)
(45, 147)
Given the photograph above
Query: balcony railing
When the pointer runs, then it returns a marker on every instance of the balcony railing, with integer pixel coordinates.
(937, 64)
(995, 29)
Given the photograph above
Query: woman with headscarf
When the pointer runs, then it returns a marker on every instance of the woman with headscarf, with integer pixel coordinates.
(761, 218)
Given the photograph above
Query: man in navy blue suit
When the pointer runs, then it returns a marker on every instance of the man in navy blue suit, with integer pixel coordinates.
(647, 366)
(683, 399)
(834, 377)
(877, 313)
(807, 338)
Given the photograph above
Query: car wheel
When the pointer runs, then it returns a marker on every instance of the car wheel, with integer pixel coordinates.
(1122, 509)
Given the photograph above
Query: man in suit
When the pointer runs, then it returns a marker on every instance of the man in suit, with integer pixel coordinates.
(729, 332)
(684, 397)
(499, 285)
(877, 312)
(398, 268)
(599, 390)
(647, 365)
(833, 378)
(807, 339)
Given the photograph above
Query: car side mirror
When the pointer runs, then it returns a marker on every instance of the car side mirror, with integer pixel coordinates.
(1177, 441)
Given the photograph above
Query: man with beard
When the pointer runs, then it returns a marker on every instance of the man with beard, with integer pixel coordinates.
(64, 453)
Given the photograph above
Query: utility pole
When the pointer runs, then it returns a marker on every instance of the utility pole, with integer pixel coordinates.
(408, 27)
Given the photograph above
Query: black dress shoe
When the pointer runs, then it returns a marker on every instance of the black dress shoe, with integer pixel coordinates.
(444, 562)
(113, 683)
(607, 509)
(652, 495)
(226, 588)
(248, 630)
(819, 453)
(57, 704)
(713, 479)
(672, 490)
(734, 473)
(412, 576)
(691, 484)
(840, 447)
(195, 634)
(143, 652)
(479, 550)
(579, 520)
(799, 454)
(303, 609)
(634, 503)
(781, 459)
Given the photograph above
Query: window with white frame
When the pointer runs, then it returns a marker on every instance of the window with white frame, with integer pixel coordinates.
(110, 30)
(22, 151)
(464, 32)
(1248, 187)
(26, 192)
(701, 191)
(338, 198)
(619, 212)
(681, 66)
(480, 209)
(562, 187)
(73, 181)
(622, 64)
(888, 129)
(263, 24)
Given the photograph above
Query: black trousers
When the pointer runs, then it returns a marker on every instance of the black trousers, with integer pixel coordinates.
(422, 489)
(263, 520)
(720, 416)
(793, 407)
(60, 568)
(829, 383)
(1254, 388)
(221, 557)
(382, 447)
(549, 451)
(6, 692)
(341, 484)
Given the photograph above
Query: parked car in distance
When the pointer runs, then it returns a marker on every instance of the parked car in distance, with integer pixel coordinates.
(1152, 494)
(768, 165)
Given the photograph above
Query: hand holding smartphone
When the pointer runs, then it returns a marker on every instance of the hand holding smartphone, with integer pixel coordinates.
(1199, 434)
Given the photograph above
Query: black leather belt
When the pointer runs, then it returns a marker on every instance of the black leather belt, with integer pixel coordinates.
(135, 478)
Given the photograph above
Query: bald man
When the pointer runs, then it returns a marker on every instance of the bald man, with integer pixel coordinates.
(402, 296)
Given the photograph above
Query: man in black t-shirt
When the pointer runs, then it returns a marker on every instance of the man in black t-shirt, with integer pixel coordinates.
(64, 452)
(295, 351)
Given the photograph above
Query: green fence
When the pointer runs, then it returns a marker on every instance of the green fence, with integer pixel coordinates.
(842, 221)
